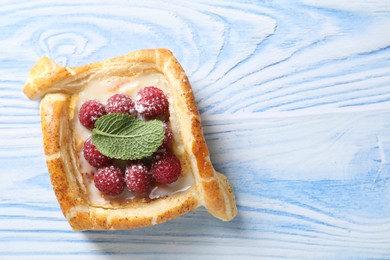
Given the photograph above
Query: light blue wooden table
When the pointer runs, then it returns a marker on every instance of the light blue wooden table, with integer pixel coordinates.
(295, 102)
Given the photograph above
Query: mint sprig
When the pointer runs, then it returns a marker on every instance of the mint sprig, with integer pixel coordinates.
(124, 137)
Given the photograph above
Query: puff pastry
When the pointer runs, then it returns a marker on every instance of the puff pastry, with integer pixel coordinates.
(60, 89)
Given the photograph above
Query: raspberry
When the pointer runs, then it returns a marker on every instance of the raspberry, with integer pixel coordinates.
(166, 168)
(121, 104)
(93, 156)
(168, 137)
(137, 177)
(150, 102)
(89, 112)
(109, 180)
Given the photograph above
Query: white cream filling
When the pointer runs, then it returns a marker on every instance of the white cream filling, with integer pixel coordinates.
(182, 184)
(101, 90)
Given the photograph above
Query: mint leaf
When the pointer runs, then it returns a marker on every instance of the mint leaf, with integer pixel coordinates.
(124, 137)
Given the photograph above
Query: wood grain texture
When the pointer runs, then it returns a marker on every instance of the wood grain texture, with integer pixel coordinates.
(295, 102)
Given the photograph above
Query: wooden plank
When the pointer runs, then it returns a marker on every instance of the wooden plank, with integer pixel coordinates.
(295, 103)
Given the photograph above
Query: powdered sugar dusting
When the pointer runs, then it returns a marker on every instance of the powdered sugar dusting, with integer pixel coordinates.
(109, 180)
(140, 108)
(151, 102)
(121, 103)
(93, 156)
(166, 169)
(90, 111)
(137, 178)
(101, 91)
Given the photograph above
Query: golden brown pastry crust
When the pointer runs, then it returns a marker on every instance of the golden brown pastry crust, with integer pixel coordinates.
(56, 85)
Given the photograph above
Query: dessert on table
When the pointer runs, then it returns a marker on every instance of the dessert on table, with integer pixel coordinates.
(124, 144)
